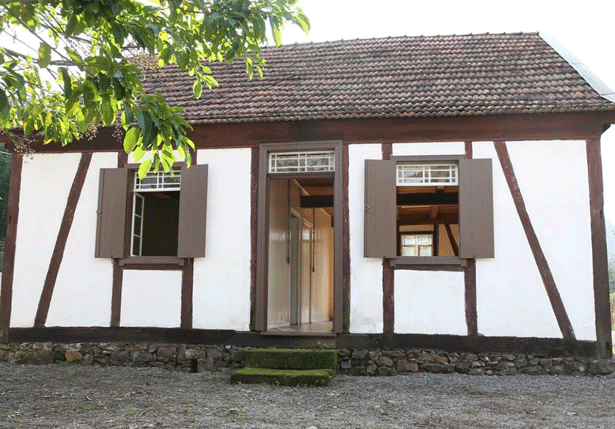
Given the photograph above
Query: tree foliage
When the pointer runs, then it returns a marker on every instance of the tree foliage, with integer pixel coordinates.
(97, 50)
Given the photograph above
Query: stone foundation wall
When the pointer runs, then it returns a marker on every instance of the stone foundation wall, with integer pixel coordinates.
(195, 358)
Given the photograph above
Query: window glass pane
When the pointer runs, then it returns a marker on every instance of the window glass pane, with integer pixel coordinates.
(416, 174)
(424, 250)
(409, 251)
(138, 204)
(160, 181)
(137, 230)
(297, 162)
(136, 246)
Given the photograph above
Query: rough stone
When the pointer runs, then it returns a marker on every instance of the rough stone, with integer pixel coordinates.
(384, 361)
(601, 366)
(72, 356)
(477, 364)
(166, 352)
(462, 367)
(558, 370)
(477, 371)
(426, 357)
(385, 370)
(435, 368)
(469, 357)
(533, 370)
(359, 354)
(346, 364)
(546, 363)
(403, 365)
(371, 369)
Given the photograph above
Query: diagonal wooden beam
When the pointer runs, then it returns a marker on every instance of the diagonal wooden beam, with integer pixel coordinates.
(58, 251)
(6, 294)
(541, 261)
(451, 238)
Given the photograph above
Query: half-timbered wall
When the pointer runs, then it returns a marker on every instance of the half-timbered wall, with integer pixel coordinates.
(511, 296)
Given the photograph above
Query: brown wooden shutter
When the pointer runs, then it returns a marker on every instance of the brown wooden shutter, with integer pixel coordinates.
(192, 212)
(380, 209)
(111, 221)
(475, 208)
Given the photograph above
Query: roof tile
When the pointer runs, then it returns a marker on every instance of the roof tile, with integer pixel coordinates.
(395, 77)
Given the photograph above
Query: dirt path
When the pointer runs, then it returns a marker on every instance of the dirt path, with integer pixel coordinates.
(115, 397)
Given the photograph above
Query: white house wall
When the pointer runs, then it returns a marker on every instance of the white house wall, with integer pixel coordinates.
(552, 176)
(365, 273)
(430, 302)
(45, 183)
(151, 298)
(221, 298)
(82, 278)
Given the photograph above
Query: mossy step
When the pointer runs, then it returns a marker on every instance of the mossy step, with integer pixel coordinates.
(283, 377)
(292, 359)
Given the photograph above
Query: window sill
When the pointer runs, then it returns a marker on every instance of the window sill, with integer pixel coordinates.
(152, 262)
(443, 263)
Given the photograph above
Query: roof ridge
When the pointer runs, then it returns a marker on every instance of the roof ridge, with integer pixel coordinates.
(402, 37)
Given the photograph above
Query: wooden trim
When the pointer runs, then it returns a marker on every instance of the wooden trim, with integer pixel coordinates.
(555, 347)
(8, 268)
(554, 126)
(451, 239)
(469, 150)
(552, 347)
(388, 275)
(263, 227)
(599, 256)
(153, 267)
(58, 251)
(541, 261)
(116, 293)
(253, 235)
(152, 260)
(469, 274)
(345, 242)
(187, 294)
(469, 278)
(429, 267)
(430, 260)
(122, 159)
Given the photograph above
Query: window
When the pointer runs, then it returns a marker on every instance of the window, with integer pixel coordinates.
(428, 209)
(302, 162)
(155, 214)
(162, 215)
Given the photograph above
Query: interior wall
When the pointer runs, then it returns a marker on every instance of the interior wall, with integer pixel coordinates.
(279, 268)
(160, 226)
(322, 284)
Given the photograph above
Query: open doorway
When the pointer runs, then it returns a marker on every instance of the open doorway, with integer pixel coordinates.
(301, 254)
(299, 239)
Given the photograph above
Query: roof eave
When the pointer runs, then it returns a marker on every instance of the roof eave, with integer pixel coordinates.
(590, 77)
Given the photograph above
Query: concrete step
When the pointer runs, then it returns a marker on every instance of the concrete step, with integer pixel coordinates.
(283, 377)
(292, 359)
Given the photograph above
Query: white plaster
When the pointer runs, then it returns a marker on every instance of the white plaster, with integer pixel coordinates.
(439, 148)
(82, 278)
(222, 277)
(151, 298)
(430, 302)
(511, 297)
(553, 179)
(365, 273)
(45, 183)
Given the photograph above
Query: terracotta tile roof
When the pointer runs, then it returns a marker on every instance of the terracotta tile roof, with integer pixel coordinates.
(466, 75)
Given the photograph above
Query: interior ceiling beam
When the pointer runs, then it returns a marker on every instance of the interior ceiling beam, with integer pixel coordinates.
(425, 218)
(427, 199)
(316, 201)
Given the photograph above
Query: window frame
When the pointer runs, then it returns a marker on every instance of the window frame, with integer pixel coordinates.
(380, 213)
(125, 176)
(429, 260)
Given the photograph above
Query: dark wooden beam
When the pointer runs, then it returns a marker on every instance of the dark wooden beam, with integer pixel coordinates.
(599, 254)
(451, 239)
(187, 293)
(388, 275)
(425, 218)
(428, 199)
(58, 251)
(541, 261)
(253, 234)
(345, 242)
(380, 130)
(316, 201)
(8, 267)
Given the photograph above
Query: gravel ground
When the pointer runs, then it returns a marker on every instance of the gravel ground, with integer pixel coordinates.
(58, 396)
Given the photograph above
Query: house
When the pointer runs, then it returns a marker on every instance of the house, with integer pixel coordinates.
(409, 192)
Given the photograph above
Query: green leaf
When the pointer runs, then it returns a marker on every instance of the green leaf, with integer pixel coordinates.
(44, 55)
(277, 35)
(68, 87)
(197, 89)
(144, 168)
(131, 139)
(4, 105)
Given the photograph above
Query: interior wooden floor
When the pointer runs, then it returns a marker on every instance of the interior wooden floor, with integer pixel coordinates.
(319, 327)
